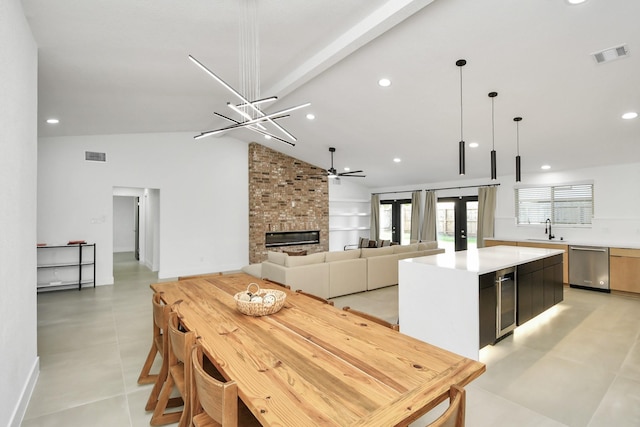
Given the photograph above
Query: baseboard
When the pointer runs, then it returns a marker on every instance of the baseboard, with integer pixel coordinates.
(21, 408)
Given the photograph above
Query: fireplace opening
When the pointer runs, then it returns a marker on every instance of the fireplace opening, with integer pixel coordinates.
(290, 238)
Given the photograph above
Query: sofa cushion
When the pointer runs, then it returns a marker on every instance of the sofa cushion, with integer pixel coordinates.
(341, 255)
(296, 261)
(277, 257)
(383, 243)
(363, 242)
(405, 248)
(427, 245)
(371, 252)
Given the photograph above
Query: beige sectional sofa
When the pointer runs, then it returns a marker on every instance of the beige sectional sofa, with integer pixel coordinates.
(331, 274)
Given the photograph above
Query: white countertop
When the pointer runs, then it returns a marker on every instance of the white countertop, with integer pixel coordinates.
(486, 260)
(625, 245)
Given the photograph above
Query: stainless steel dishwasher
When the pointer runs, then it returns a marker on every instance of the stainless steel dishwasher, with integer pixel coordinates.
(589, 267)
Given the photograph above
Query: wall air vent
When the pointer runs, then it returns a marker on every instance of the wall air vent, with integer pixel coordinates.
(95, 157)
(611, 54)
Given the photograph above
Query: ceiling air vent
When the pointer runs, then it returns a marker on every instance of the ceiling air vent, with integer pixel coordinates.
(95, 157)
(611, 54)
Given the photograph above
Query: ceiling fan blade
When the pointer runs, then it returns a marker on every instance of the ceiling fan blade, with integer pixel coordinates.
(351, 172)
(352, 176)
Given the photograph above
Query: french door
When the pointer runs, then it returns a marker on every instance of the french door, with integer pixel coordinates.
(457, 223)
(395, 221)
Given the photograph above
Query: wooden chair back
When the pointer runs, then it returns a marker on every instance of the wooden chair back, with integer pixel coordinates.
(199, 276)
(277, 283)
(455, 413)
(158, 338)
(179, 346)
(301, 292)
(372, 318)
(218, 399)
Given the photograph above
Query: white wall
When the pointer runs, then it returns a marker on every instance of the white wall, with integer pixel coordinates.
(124, 215)
(202, 197)
(18, 168)
(616, 206)
(616, 200)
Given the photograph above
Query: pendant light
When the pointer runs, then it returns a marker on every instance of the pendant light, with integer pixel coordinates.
(461, 164)
(518, 170)
(494, 167)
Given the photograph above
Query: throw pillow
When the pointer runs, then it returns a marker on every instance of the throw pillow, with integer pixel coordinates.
(295, 253)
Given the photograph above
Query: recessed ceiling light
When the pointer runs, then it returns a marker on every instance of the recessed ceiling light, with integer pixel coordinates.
(545, 167)
(347, 169)
(311, 116)
(53, 121)
(397, 160)
(384, 82)
(630, 115)
(473, 144)
(576, 1)
(267, 137)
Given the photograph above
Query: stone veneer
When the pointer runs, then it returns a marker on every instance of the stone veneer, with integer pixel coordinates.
(285, 194)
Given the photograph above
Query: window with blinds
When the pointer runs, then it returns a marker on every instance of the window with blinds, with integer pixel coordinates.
(562, 204)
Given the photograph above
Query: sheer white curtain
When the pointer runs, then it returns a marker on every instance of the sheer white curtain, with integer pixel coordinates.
(428, 231)
(486, 213)
(415, 216)
(375, 217)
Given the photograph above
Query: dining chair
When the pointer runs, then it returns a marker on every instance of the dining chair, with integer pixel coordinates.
(199, 276)
(178, 374)
(276, 283)
(326, 301)
(214, 402)
(375, 319)
(454, 415)
(158, 346)
(159, 320)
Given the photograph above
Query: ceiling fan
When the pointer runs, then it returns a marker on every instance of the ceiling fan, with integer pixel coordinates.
(332, 173)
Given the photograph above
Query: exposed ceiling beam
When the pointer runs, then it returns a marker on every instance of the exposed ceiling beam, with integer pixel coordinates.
(378, 22)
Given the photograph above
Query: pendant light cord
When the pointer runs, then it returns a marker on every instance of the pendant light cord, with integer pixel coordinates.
(461, 119)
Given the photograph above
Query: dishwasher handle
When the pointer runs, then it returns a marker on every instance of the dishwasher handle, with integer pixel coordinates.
(577, 248)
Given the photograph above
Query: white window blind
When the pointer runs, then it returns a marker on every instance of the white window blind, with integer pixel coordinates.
(562, 204)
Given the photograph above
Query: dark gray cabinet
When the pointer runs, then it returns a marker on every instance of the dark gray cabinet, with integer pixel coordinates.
(539, 286)
(553, 278)
(488, 301)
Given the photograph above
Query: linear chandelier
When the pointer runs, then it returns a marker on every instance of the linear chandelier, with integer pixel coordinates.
(250, 114)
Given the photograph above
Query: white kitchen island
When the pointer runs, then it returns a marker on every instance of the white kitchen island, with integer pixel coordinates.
(438, 295)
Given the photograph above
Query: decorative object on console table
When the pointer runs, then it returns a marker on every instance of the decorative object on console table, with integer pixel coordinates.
(55, 260)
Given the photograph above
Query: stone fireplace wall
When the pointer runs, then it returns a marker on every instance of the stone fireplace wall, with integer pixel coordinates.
(285, 194)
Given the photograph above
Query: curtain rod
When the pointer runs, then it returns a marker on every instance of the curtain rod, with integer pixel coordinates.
(435, 189)
(395, 192)
(465, 186)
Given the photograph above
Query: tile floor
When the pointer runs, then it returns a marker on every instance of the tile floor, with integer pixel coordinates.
(577, 364)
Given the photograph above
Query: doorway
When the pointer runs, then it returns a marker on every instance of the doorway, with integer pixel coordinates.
(457, 223)
(395, 221)
(136, 225)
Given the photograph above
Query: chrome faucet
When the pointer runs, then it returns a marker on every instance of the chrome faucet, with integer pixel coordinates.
(547, 228)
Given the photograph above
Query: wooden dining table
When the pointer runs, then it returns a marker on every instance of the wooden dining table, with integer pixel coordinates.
(312, 364)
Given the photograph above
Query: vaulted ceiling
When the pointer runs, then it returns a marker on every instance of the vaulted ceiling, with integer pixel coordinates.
(117, 66)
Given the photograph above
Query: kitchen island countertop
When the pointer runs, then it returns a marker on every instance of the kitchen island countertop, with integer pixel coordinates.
(486, 260)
